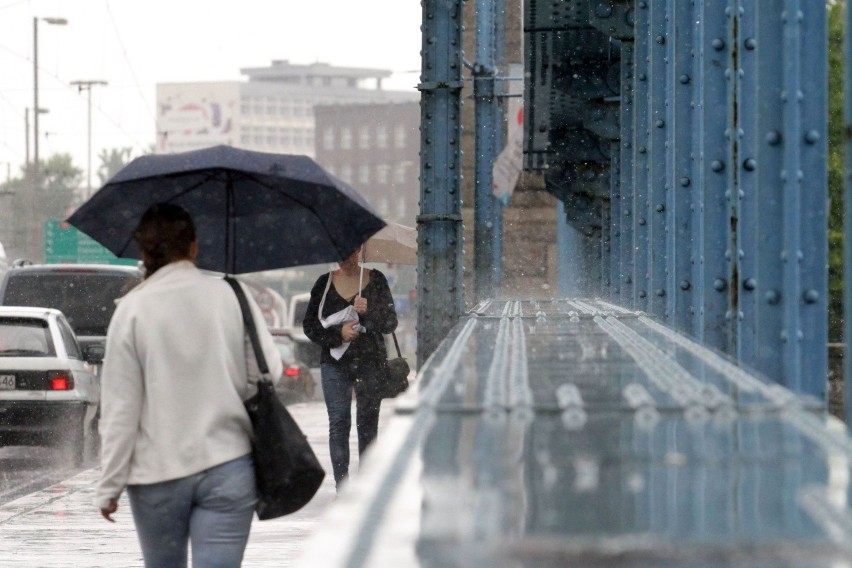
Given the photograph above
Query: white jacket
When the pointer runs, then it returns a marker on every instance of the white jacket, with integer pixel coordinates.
(174, 380)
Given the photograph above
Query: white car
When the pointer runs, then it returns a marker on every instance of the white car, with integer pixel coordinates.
(49, 394)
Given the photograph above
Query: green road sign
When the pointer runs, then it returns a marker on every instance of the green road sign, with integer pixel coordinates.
(65, 244)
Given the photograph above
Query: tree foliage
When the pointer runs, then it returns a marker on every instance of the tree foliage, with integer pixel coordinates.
(836, 149)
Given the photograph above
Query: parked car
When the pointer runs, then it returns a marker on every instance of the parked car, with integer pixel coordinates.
(307, 351)
(84, 293)
(298, 383)
(48, 394)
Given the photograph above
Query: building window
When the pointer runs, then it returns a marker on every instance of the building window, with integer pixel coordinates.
(381, 136)
(328, 138)
(346, 138)
(382, 174)
(364, 137)
(284, 136)
(346, 173)
(364, 173)
(400, 208)
(257, 107)
(271, 138)
(399, 172)
(284, 108)
(399, 136)
(298, 108)
(245, 108)
(384, 207)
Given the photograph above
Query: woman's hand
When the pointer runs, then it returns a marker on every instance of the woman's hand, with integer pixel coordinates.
(109, 510)
(348, 331)
(360, 305)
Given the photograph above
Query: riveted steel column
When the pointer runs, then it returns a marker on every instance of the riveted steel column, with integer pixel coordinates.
(439, 234)
(805, 196)
(487, 208)
(712, 148)
(626, 174)
(680, 56)
(611, 248)
(641, 279)
(658, 151)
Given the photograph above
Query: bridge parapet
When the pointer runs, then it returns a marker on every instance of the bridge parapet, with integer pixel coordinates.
(549, 433)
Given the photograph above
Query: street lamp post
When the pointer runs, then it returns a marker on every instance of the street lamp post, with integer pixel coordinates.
(32, 240)
(87, 85)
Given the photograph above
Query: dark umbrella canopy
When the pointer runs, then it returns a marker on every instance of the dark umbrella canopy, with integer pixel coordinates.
(253, 211)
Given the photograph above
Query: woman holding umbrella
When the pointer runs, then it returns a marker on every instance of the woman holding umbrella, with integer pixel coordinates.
(175, 431)
(348, 315)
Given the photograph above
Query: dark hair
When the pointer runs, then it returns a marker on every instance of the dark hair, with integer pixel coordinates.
(164, 233)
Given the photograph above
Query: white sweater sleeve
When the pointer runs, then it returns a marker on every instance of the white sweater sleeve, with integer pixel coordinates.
(121, 407)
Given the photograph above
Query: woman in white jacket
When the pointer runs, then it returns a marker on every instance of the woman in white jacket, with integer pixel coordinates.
(174, 429)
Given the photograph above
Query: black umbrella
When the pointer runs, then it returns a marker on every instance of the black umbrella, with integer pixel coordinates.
(253, 211)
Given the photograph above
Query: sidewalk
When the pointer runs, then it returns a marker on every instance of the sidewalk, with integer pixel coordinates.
(59, 526)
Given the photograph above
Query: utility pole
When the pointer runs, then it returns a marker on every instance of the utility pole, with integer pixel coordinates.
(87, 86)
(31, 232)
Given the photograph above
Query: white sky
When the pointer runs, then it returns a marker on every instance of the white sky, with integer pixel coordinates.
(135, 44)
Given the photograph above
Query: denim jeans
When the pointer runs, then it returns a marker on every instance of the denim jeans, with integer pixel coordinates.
(338, 382)
(213, 509)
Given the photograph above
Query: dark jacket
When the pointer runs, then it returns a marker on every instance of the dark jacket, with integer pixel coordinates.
(380, 318)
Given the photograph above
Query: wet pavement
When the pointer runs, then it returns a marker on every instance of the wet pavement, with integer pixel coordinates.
(60, 527)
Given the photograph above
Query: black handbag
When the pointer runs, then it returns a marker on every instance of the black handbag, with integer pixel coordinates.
(287, 472)
(396, 374)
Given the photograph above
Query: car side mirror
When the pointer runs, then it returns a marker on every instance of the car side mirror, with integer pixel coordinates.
(94, 354)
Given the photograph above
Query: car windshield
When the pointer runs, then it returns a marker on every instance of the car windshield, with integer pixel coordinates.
(25, 337)
(286, 351)
(86, 299)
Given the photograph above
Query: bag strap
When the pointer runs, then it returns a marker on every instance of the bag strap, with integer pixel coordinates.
(395, 342)
(248, 321)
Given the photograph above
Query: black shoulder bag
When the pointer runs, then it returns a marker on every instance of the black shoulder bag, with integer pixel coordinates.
(287, 472)
(396, 374)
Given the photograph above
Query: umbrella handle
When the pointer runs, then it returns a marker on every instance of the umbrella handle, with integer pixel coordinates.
(361, 276)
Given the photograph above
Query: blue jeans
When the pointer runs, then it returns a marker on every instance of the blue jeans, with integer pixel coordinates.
(213, 509)
(338, 382)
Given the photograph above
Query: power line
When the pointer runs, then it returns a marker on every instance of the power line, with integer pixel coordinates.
(129, 64)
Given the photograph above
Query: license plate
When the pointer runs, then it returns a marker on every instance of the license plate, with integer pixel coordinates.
(7, 382)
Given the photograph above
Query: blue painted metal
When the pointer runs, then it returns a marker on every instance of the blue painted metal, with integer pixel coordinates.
(658, 150)
(679, 202)
(626, 184)
(847, 208)
(487, 209)
(712, 147)
(811, 221)
(611, 249)
(439, 235)
(503, 459)
(641, 138)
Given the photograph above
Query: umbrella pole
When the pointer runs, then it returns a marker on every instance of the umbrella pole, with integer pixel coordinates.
(229, 229)
(361, 276)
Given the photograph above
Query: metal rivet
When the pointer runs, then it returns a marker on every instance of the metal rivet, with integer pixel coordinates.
(628, 280)
(684, 79)
(773, 137)
(684, 181)
(642, 222)
(773, 297)
(685, 285)
(661, 292)
(717, 165)
(641, 76)
(660, 123)
(642, 149)
(718, 44)
(642, 293)
(661, 208)
(811, 297)
(812, 137)
(750, 43)
(750, 164)
(661, 39)
(750, 284)
(603, 10)
(719, 284)
(643, 5)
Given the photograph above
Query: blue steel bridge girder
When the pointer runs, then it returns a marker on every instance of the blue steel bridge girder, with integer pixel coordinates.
(439, 225)
(716, 223)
